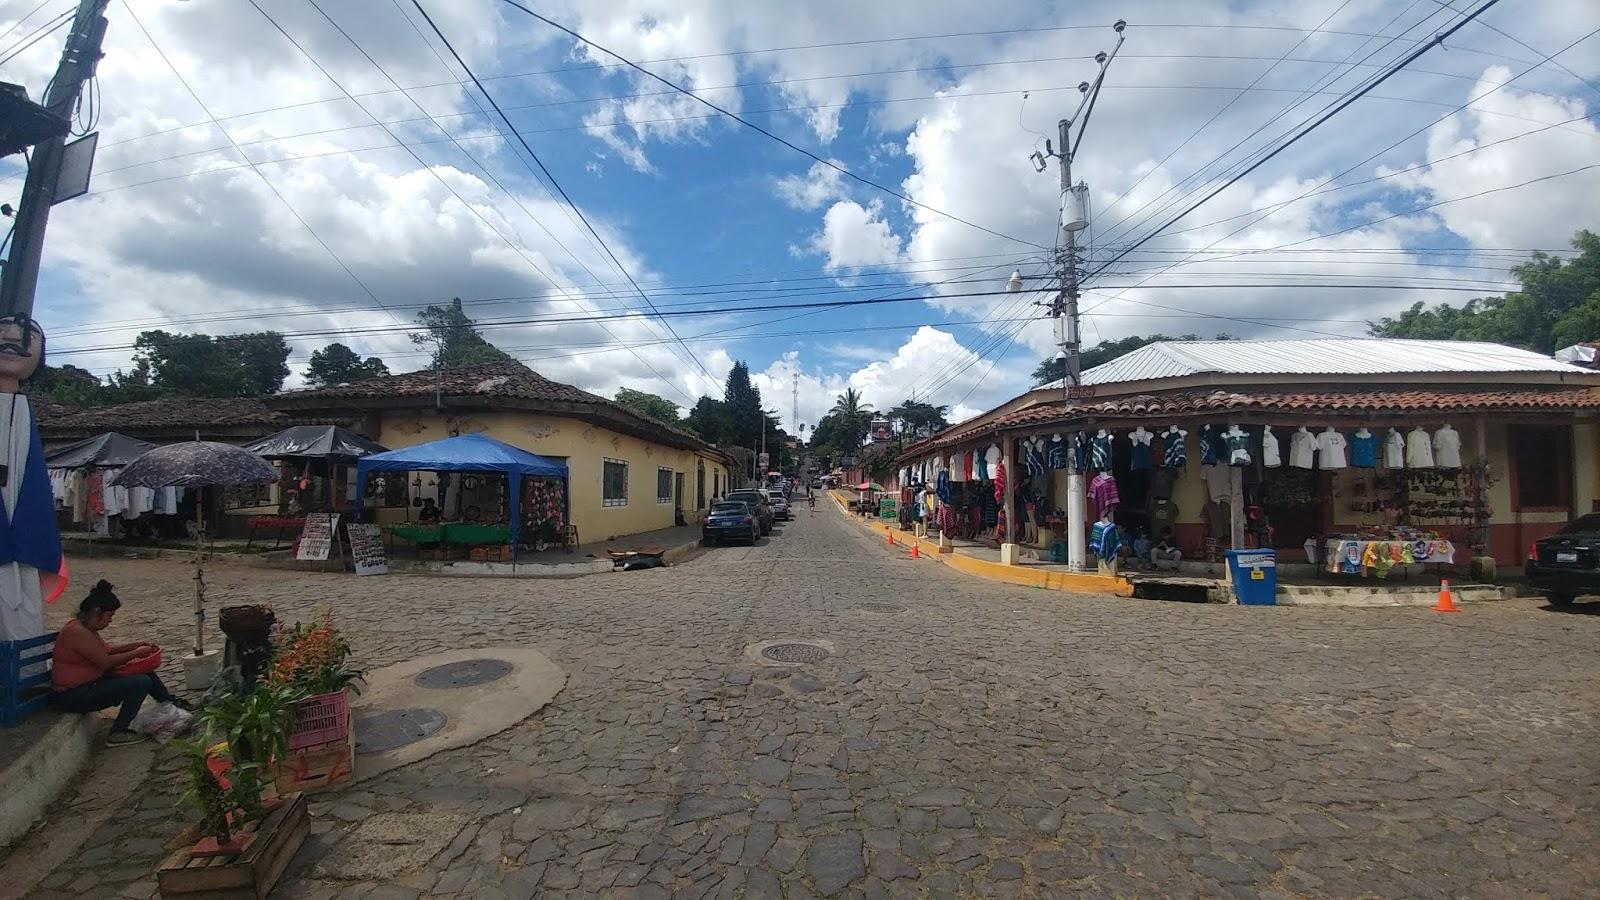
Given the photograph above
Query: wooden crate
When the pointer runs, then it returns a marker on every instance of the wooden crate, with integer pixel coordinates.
(251, 874)
(318, 766)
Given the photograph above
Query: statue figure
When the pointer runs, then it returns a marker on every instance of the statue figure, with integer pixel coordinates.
(32, 569)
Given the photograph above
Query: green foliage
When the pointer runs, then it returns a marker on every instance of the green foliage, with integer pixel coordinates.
(1053, 369)
(255, 723)
(454, 338)
(338, 364)
(199, 365)
(653, 405)
(915, 419)
(241, 799)
(1559, 305)
(706, 419)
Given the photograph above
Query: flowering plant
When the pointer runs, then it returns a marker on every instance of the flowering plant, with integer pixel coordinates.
(315, 659)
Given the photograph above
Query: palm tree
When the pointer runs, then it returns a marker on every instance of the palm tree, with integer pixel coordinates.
(849, 404)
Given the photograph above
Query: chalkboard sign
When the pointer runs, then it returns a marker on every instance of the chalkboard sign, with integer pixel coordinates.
(366, 548)
(316, 536)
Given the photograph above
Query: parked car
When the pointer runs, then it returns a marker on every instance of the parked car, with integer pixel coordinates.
(1567, 563)
(730, 521)
(757, 502)
(780, 505)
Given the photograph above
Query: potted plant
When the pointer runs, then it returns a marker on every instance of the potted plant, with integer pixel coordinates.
(250, 629)
(314, 660)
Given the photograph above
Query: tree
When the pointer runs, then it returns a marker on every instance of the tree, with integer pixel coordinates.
(455, 338)
(1559, 305)
(338, 364)
(1053, 369)
(917, 419)
(742, 410)
(199, 365)
(707, 419)
(653, 405)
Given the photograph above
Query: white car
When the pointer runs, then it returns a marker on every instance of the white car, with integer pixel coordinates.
(780, 505)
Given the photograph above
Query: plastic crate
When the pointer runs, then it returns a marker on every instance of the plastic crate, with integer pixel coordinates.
(320, 719)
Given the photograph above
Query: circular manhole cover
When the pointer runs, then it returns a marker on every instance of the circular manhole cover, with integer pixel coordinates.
(881, 607)
(467, 673)
(795, 653)
(379, 732)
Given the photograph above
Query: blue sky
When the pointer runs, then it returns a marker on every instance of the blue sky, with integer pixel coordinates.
(335, 230)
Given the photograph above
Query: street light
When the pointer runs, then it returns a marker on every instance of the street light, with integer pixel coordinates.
(1014, 283)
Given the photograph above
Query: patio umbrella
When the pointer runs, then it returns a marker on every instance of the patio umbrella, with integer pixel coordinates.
(197, 464)
(108, 450)
(315, 442)
(869, 486)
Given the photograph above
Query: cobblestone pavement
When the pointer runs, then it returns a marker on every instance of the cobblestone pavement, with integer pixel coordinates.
(965, 738)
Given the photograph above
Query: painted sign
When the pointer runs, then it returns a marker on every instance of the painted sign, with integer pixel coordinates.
(316, 536)
(366, 548)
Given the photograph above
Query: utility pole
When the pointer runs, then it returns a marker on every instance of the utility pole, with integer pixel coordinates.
(1064, 306)
(78, 61)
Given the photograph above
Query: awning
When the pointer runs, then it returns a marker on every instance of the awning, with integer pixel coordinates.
(315, 442)
(106, 451)
(466, 453)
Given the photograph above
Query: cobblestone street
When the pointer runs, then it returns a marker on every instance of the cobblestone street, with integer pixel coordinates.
(964, 737)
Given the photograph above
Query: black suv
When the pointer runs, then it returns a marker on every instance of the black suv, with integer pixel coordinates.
(1567, 563)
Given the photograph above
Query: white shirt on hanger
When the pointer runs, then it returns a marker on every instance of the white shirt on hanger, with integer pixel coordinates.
(1302, 448)
(1330, 449)
(1419, 449)
(1269, 449)
(1447, 448)
(1394, 450)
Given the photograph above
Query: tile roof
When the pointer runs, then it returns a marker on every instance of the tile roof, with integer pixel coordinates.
(170, 412)
(504, 380)
(1331, 356)
(1371, 401)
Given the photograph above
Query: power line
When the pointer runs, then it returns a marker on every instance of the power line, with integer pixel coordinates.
(757, 128)
(282, 199)
(18, 23)
(37, 35)
(712, 379)
(1337, 108)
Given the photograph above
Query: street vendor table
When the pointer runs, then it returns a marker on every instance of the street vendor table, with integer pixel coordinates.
(1351, 556)
(452, 533)
(280, 524)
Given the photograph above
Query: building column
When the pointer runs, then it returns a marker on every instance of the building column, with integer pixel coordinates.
(1008, 550)
(1077, 512)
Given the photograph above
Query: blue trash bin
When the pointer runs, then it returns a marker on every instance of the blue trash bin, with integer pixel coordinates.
(1254, 574)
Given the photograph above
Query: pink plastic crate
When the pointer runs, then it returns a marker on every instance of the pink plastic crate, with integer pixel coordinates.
(320, 719)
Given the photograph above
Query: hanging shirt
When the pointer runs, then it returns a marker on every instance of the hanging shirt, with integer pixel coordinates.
(1208, 447)
(1447, 448)
(1080, 451)
(1330, 450)
(1058, 453)
(1419, 449)
(1032, 459)
(1218, 482)
(1175, 454)
(1269, 449)
(982, 461)
(1141, 450)
(1105, 540)
(1237, 440)
(1394, 450)
(1103, 494)
(992, 458)
(1100, 452)
(941, 486)
(1302, 449)
(1364, 450)
(958, 468)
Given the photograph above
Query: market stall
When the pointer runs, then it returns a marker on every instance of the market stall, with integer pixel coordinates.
(529, 494)
(81, 477)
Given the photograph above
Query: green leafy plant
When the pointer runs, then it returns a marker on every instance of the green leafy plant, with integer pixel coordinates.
(255, 723)
(315, 658)
(223, 808)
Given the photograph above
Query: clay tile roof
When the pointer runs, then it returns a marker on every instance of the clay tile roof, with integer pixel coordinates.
(1374, 401)
(509, 380)
(170, 412)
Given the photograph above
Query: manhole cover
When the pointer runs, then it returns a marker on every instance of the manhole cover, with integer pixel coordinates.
(467, 673)
(393, 728)
(795, 653)
(881, 607)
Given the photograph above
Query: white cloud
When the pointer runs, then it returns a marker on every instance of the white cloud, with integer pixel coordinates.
(810, 190)
(853, 235)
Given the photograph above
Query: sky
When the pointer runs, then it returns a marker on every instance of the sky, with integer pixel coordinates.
(326, 169)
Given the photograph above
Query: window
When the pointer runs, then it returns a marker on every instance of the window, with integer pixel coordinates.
(614, 483)
(663, 485)
(1541, 463)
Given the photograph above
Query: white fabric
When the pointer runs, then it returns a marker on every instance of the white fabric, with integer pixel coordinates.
(958, 468)
(1237, 456)
(1447, 448)
(993, 456)
(1330, 449)
(1419, 449)
(1217, 482)
(21, 597)
(1302, 449)
(1269, 449)
(1140, 436)
(1394, 450)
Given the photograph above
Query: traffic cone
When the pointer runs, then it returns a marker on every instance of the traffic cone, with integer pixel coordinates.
(1445, 604)
(888, 538)
(915, 552)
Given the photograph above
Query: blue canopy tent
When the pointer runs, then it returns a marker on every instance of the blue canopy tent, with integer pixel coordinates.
(467, 453)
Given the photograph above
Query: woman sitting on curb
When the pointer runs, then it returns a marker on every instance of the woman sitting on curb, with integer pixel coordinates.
(83, 668)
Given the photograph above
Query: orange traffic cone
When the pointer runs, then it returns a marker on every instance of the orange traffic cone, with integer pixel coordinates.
(888, 538)
(1445, 604)
(916, 553)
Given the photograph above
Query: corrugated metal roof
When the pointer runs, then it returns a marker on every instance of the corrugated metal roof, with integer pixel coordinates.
(1331, 356)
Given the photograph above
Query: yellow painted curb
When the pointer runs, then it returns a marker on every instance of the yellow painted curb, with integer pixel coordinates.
(1025, 576)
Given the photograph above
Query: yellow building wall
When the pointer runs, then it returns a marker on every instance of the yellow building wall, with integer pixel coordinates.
(1585, 467)
(584, 447)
